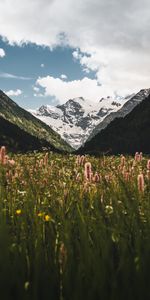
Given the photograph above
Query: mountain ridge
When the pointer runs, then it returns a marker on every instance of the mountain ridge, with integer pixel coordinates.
(13, 113)
(76, 119)
(122, 112)
(126, 135)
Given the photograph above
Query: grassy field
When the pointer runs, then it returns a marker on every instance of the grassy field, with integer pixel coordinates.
(74, 228)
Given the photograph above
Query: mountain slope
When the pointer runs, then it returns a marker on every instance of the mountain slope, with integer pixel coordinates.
(77, 118)
(16, 139)
(13, 113)
(124, 135)
(129, 105)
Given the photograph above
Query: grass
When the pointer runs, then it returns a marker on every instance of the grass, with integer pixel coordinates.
(64, 237)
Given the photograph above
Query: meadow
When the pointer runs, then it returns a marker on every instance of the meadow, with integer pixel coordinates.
(74, 228)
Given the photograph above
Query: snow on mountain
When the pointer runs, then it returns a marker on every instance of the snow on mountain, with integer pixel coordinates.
(129, 103)
(76, 119)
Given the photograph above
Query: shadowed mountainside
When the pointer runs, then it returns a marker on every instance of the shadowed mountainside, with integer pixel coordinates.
(16, 139)
(18, 116)
(123, 135)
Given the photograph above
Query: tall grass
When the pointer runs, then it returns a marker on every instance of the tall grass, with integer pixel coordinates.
(66, 236)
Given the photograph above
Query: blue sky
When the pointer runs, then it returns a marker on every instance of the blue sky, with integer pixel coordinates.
(31, 62)
(101, 46)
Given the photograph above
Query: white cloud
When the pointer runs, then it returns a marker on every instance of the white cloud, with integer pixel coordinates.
(13, 76)
(11, 93)
(2, 53)
(116, 70)
(63, 76)
(112, 36)
(38, 95)
(36, 89)
(62, 90)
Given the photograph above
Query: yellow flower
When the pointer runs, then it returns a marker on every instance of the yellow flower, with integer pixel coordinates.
(40, 214)
(47, 218)
(18, 212)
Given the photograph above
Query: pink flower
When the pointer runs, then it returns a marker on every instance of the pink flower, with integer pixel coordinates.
(45, 161)
(80, 160)
(11, 162)
(127, 176)
(3, 155)
(96, 177)
(122, 161)
(140, 156)
(141, 183)
(136, 156)
(88, 171)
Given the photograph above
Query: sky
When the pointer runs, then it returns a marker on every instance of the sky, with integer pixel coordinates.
(52, 50)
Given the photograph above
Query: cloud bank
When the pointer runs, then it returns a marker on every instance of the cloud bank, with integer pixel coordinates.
(62, 90)
(13, 76)
(12, 93)
(111, 37)
(2, 53)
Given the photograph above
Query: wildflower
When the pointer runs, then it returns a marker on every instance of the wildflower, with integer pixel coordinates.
(148, 165)
(11, 162)
(21, 192)
(140, 156)
(47, 218)
(45, 161)
(96, 177)
(122, 161)
(88, 171)
(137, 156)
(41, 163)
(18, 212)
(82, 159)
(3, 155)
(141, 183)
(109, 209)
(40, 214)
(127, 176)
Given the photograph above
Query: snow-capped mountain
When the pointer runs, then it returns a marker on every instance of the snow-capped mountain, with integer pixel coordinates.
(76, 119)
(129, 104)
(127, 132)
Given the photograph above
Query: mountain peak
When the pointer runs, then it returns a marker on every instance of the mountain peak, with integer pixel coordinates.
(127, 132)
(76, 119)
(127, 105)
